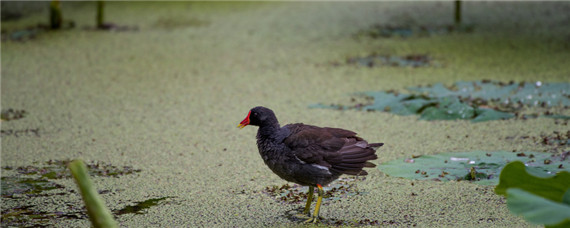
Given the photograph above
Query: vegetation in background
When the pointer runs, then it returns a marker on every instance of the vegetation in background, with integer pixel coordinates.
(57, 22)
(457, 13)
(100, 18)
(55, 15)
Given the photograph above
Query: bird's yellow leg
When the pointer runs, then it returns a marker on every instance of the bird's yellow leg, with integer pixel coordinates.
(309, 200)
(315, 217)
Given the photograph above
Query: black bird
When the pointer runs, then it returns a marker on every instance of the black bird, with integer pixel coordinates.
(309, 155)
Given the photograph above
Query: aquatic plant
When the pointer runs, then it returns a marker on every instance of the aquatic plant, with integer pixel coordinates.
(99, 214)
(468, 100)
(479, 167)
(539, 198)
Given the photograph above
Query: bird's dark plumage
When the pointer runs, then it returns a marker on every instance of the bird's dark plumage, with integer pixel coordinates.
(309, 155)
(306, 154)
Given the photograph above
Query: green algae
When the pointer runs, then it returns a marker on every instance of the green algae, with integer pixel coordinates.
(167, 101)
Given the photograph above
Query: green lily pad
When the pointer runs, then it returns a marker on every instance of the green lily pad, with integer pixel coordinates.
(448, 108)
(541, 199)
(390, 102)
(519, 175)
(486, 114)
(538, 210)
(476, 100)
(532, 94)
(478, 166)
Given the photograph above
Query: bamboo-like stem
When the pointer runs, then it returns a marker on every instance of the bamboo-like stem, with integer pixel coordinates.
(55, 15)
(457, 13)
(100, 13)
(99, 215)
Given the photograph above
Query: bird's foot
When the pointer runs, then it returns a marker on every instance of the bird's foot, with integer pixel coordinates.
(312, 220)
(302, 216)
(298, 215)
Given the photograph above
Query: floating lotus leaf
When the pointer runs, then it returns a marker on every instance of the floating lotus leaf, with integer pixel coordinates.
(552, 94)
(538, 210)
(476, 100)
(485, 114)
(478, 166)
(448, 108)
(539, 198)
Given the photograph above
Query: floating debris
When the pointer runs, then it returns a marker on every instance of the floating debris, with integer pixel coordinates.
(21, 184)
(342, 188)
(21, 132)
(57, 169)
(12, 114)
(170, 23)
(555, 143)
(32, 32)
(375, 60)
(140, 206)
(30, 216)
(405, 31)
(18, 187)
(297, 216)
(112, 27)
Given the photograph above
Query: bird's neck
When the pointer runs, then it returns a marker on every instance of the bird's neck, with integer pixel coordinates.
(268, 130)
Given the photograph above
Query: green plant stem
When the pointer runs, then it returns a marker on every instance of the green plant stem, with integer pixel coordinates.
(100, 13)
(55, 15)
(457, 13)
(99, 215)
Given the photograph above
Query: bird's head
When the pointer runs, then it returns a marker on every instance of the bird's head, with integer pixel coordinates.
(258, 116)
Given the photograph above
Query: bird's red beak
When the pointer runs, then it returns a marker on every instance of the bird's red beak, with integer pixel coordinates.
(245, 121)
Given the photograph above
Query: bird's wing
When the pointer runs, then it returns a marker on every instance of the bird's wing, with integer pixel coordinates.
(337, 149)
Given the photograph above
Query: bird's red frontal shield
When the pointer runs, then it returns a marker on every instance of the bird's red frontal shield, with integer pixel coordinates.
(245, 121)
